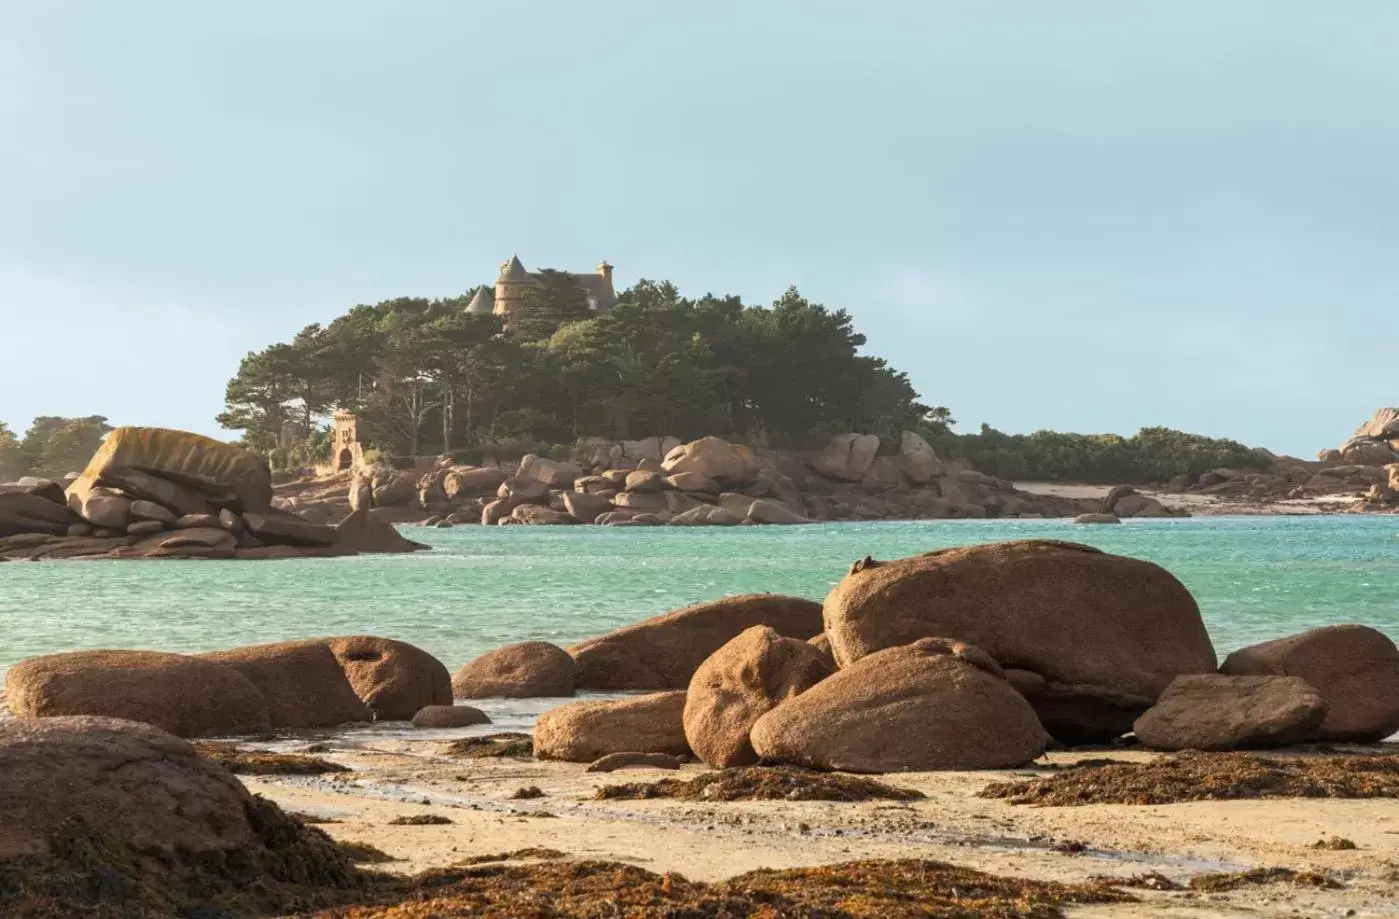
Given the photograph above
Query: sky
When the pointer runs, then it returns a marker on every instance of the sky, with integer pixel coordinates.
(1087, 216)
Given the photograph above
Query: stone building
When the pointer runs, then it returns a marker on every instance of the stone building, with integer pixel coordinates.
(507, 298)
(346, 452)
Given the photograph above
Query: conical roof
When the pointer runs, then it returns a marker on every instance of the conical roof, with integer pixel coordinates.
(483, 302)
(513, 270)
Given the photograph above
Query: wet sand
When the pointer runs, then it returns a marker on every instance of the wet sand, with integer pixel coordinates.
(715, 840)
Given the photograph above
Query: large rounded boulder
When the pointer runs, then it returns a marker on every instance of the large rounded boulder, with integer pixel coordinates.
(145, 786)
(712, 458)
(186, 696)
(935, 704)
(109, 817)
(223, 473)
(527, 670)
(582, 732)
(1354, 667)
(1206, 711)
(395, 679)
(301, 682)
(664, 652)
(741, 682)
(1106, 633)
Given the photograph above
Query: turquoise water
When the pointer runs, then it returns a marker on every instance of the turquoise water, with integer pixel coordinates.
(1255, 578)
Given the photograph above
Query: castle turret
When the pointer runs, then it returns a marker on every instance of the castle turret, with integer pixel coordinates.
(510, 289)
(483, 301)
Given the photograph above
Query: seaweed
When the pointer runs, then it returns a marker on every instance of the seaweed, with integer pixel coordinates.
(1218, 883)
(508, 744)
(1335, 844)
(904, 889)
(1207, 777)
(527, 793)
(364, 853)
(533, 852)
(260, 762)
(420, 820)
(90, 873)
(1152, 880)
(762, 783)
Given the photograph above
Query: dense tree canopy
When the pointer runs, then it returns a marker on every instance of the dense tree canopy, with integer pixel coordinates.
(1150, 455)
(13, 465)
(52, 447)
(427, 376)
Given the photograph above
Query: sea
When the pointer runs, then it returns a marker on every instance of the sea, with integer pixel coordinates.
(1255, 578)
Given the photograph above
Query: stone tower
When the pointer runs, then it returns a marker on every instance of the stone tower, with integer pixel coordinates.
(510, 288)
(513, 284)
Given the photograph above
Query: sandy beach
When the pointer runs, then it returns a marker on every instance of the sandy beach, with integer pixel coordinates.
(710, 841)
(1198, 504)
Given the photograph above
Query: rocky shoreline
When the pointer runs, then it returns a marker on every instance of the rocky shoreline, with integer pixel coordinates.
(150, 493)
(661, 481)
(709, 482)
(945, 673)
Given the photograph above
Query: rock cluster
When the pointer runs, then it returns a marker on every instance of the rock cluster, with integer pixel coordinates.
(156, 493)
(959, 659)
(1376, 442)
(965, 658)
(303, 684)
(709, 482)
(1106, 633)
(1355, 669)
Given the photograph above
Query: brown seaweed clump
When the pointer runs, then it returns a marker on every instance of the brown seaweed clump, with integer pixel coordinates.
(1208, 777)
(763, 783)
(364, 853)
(1218, 883)
(532, 853)
(507, 744)
(1335, 844)
(258, 762)
(420, 820)
(92, 875)
(905, 889)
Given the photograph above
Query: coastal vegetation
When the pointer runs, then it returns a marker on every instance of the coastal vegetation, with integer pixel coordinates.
(427, 376)
(51, 447)
(1153, 454)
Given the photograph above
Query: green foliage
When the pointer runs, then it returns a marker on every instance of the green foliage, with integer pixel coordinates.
(302, 456)
(426, 376)
(54, 447)
(552, 302)
(13, 464)
(1151, 455)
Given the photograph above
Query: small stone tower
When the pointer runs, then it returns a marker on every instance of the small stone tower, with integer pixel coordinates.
(510, 288)
(346, 451)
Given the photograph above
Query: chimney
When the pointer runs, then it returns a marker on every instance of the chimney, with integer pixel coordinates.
(606, 271)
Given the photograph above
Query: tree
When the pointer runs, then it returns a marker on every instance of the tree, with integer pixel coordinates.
(54, 447)
(13, 464)
(453, 352)
(400, 400)
(551, 302)
(256, 399)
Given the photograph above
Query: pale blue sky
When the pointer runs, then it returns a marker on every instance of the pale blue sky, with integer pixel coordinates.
(1086, 216)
